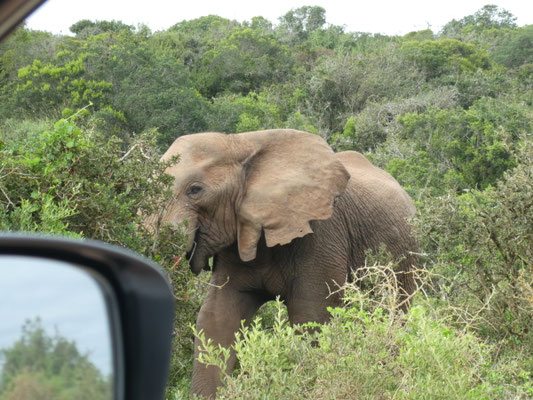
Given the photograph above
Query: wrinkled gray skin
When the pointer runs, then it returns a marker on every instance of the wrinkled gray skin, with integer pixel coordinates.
(283, 216)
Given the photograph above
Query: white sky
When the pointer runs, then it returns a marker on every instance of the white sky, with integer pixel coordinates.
(375, 16)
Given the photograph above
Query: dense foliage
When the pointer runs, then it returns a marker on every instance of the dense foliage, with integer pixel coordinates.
(84, 118)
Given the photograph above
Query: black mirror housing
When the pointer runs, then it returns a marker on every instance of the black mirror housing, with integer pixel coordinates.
(140, 301)
(12, 12)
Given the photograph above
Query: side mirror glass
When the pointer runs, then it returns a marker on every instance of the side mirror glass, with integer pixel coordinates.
(55, 337)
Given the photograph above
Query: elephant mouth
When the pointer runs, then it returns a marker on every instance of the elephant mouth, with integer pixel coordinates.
(197, 255)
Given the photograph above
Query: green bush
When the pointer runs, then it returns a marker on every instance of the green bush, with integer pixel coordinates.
(455, 148)
(516, 49)
(367, 350)
(377, 122)
(480, 243)
(45, 89)
(341, 85)
(71, 181)
(364, 355)
(437, 57)
(68, 180)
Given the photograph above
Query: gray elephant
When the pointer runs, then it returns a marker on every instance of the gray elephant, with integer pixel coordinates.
(282, 215)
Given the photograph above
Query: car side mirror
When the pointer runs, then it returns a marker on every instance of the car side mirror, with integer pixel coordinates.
(82, 314)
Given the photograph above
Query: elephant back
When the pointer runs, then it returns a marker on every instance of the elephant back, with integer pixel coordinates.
(375, 186)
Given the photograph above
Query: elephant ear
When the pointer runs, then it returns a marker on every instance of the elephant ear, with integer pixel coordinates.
(292, 178)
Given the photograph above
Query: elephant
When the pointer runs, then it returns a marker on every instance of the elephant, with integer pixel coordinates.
(281, 215)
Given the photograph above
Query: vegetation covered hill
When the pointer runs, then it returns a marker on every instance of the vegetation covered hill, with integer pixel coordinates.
(448, 113)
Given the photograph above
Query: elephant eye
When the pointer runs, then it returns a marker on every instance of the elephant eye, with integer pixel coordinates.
(194, 190)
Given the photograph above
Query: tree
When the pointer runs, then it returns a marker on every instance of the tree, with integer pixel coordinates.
(85, 27)
(445, 56)
(47, 89)
(516, 48)
(18, 50)
(153, 90)
(299, 23)
(488, 17)
(22, 47)
(188, 41)
(39, 366)
(246, 60)
(480, 245)
(462, 149)
(340, 85)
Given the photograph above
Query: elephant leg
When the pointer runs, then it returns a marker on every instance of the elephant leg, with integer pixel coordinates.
(308, 303)
(220, 318)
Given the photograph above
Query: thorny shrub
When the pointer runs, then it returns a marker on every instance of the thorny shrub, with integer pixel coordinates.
(480, 243)
(368, 350)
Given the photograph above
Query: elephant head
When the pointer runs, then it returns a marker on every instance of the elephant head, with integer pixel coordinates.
(234, 188)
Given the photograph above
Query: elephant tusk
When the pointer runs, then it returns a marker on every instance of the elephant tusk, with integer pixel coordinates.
(191, 253)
